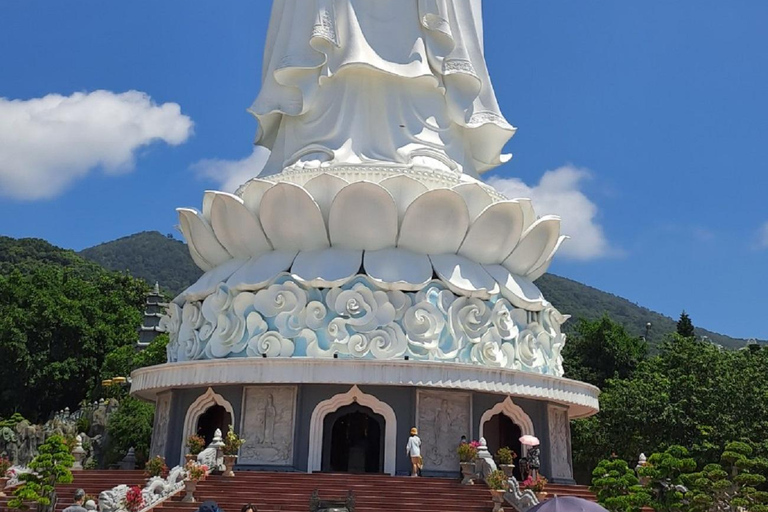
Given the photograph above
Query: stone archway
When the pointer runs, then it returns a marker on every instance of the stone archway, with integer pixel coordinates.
(353, 396)
(197, 410)
(515, 413)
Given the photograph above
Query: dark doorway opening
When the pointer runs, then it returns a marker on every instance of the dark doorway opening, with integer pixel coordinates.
(214, 417)
(501, 431)
(353, 441)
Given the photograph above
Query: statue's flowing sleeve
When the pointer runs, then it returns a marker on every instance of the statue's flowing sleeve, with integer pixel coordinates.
(438, 40)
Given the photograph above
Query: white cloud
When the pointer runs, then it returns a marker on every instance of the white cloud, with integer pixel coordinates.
(230, 174)
(47, 143)
(559, 193)
(762, 236)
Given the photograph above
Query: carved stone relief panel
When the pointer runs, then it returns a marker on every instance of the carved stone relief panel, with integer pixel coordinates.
(442, 418)
(268, 422)
(160, 428)
(560, 442)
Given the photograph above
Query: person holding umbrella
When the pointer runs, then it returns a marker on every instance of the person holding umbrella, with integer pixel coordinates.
(533, 454)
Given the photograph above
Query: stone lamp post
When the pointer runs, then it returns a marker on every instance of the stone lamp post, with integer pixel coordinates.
(78, 452)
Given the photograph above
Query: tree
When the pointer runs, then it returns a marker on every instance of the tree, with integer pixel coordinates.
(123, 360)
(685, 326)
(691, 394)
(600, 350)
(50, 467)
(130, 426)
(665, 474)
(617, 488)
(731, 485)
(56, 328)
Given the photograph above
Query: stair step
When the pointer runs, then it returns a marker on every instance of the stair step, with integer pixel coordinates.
(290, 492)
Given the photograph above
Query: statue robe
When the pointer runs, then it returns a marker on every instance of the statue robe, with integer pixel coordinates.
(379, 81)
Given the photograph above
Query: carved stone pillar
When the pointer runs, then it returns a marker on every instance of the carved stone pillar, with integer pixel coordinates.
(559, 449)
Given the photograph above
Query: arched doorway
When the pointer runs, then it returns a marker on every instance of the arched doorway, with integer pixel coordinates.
(215, 417)
(353, 440)
(501, 431)
(196, 410)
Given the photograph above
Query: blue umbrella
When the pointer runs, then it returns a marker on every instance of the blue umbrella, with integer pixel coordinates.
(567, 504)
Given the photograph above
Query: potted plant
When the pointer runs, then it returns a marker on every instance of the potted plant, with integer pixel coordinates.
(196, 444)
(232, 444)
(156, 467)
(505, 458)
(497, 484)
(195, 473)
(5, 466)
(536, 485)
(467, 454)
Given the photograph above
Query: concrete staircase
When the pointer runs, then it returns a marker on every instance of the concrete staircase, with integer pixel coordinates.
(290, 492)
(579, 491)
(92, 482)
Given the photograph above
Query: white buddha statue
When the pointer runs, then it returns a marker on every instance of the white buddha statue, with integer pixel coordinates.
(379, 82)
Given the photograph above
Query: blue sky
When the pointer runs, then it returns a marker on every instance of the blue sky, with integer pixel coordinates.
(652, 115)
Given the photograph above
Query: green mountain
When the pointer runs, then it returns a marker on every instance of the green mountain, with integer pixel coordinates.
(60, 315)
(155, 257)
(148, 255)
(26, 254)
(582, 301)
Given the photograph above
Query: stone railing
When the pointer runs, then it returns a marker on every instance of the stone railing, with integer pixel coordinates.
(156, 491)
(521, 500)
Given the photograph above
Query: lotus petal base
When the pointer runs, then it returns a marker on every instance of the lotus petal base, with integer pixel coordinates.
(372, 262)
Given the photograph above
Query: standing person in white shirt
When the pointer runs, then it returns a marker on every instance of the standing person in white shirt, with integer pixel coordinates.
(414, 451)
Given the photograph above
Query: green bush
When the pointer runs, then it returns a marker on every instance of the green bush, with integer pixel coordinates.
(50, 467)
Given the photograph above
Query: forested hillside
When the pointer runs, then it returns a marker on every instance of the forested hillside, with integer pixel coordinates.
(150, 256)
(60, 317)
(155, 257)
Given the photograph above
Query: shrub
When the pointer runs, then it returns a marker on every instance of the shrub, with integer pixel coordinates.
(51, 466)
(617, 488)
(467, 452)
(156, 467)
(536, 485)
(505, 456)
(195, 471)
(134, 501)
(232, 442)
(497, 480)
(5, 465)
(196, 444)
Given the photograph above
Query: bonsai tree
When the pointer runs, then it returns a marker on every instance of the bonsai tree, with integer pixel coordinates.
(665, 472)
(50, 467)
(232, 442)
(731, 485)
(617, 488)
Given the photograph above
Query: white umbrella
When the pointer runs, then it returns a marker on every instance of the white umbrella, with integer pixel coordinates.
(529, 440)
